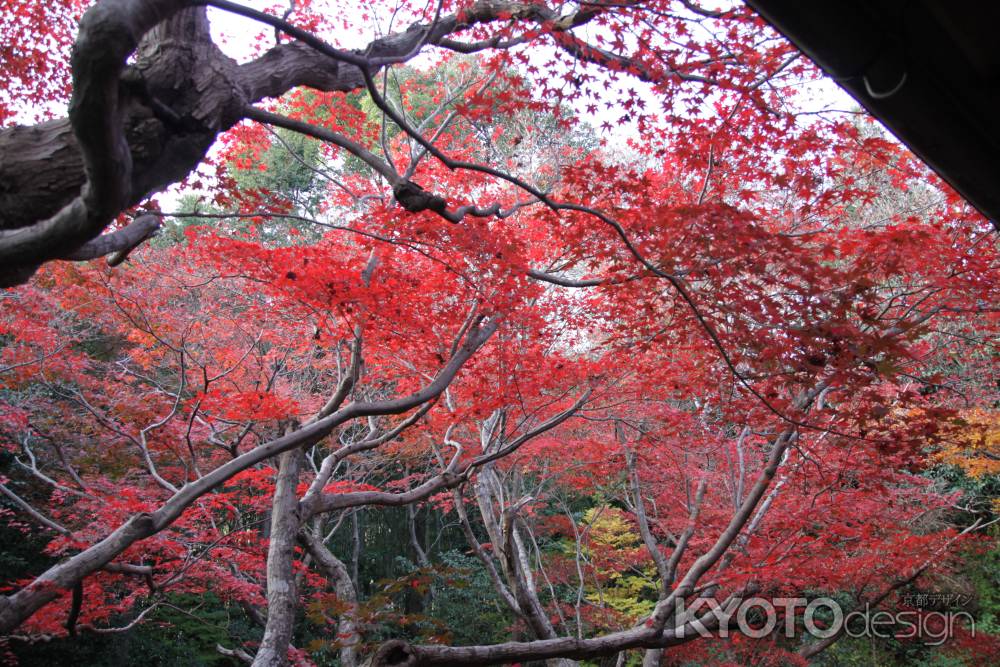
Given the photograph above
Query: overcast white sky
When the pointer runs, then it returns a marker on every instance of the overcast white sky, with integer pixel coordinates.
(236, 35)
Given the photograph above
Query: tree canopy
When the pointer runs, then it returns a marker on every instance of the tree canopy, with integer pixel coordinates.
(473, 333)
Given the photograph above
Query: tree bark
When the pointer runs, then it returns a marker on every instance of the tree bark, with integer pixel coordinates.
(282, 596)
(336, 573)
(136, 128)
(54, 582)
(652, 657)
(514, 558)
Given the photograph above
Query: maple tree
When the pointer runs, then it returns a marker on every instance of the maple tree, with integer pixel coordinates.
(974, 446)
(703, 356)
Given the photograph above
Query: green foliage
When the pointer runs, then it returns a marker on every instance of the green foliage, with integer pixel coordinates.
(980, 493)
(287, 172)
(870, 652)
(199, 634)
(172, 230)
(467, 603)
(983, 571)
(21, 555)
(169, 638)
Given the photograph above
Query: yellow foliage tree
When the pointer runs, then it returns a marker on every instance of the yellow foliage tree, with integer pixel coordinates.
(613, 539)
(974, 445)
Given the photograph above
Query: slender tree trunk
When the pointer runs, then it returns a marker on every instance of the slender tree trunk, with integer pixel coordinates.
(420, 554)
(282, 597)
(340, 580)
(514, 558)
(652, 657)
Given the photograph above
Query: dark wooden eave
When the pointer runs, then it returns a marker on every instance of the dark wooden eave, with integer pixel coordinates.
(928, 69)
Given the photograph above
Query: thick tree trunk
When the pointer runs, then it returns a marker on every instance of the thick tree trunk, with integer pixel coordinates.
(63, 181)
(282, 596)
(135, 128)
